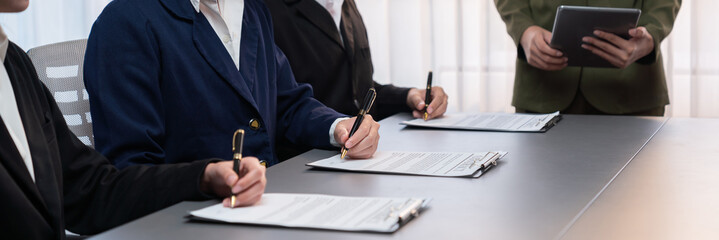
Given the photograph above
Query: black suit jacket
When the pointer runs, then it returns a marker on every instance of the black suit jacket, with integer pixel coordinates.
(75, 187)
(339, 69)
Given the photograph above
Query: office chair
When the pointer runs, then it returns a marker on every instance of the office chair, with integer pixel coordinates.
(59, 67)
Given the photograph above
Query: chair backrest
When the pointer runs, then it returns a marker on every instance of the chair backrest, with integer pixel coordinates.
(59, 66)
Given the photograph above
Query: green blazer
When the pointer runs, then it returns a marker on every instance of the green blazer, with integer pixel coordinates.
(639, 87)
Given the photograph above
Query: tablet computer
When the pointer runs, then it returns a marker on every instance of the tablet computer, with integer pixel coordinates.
(572, 23)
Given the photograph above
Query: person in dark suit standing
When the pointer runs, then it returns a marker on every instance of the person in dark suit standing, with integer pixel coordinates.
(171, 80)
(50, 181)
(326, 44)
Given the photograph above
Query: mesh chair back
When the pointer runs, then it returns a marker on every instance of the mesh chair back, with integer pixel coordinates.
(59, 66)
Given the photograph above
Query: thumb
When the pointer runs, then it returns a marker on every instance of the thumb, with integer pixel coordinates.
(420, 105)
(547, 36)
(341, 134)
(229, 176)
(416, 101)
(637, 32)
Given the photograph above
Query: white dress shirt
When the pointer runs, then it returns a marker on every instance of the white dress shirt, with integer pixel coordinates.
(334, 7)
(225, 17)
(9, 111)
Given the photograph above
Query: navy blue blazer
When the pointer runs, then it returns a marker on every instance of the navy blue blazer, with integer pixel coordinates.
(163, 88)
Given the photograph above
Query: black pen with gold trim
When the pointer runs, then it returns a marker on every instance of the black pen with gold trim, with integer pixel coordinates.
(368, 101)
(237, 140)
(428, 95)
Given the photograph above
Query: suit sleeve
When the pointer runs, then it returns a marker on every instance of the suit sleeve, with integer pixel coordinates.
(122, 73)
(301, 117)
(658, 17)
(516, 15)
(390, 100)
(96, 195)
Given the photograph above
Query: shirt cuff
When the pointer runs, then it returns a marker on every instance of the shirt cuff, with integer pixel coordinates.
(333, 142)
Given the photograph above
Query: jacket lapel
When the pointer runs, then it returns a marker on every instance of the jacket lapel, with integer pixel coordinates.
(10, 158)
(43, 161)
(211, 49)
(319, 17)
(249, 47)
(9, 155)
(180, 8)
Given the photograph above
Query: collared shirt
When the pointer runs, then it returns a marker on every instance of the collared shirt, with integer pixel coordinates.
(9, 111)
(334, 7)
(225, 17)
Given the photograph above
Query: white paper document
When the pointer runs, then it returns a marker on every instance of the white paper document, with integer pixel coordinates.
(511, 122)
(444, 164)
(374, 214)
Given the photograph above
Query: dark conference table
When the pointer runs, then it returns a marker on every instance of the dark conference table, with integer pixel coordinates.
(566, 182)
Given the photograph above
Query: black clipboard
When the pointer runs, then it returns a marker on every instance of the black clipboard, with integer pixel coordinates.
(572, 23)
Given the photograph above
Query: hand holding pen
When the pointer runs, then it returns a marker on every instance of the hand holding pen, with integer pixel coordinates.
(428, 103)
(361, 139)
(242, 181)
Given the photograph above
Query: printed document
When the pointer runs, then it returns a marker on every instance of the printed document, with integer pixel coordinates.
(444, 164)
(511, 122)
(374, 214)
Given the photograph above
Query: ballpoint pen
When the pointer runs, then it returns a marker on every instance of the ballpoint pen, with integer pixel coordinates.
(237, 141)
(368, 101)
(428, 95)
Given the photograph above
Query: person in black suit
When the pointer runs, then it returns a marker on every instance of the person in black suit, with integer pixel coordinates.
(327, 46)
(50, 181)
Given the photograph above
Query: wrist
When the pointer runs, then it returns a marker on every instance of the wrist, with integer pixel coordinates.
(206, 179)
(527, 36)
(410, 95)
(333, 128)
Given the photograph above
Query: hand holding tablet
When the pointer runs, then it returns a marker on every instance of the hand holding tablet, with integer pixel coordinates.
(535, 43)
(618, 51)
(599, 36)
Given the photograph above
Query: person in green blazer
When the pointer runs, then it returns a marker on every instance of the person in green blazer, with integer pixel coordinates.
(544, 83)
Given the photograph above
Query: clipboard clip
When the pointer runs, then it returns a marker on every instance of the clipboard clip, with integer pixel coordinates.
(554, 121)
(406, 212)
(487, 162)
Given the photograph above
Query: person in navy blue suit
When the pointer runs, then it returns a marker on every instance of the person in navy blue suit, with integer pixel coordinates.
(171, 80)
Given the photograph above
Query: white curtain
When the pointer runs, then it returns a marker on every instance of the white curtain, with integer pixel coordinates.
(463, 41)
(692, 61)
(51, 21)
